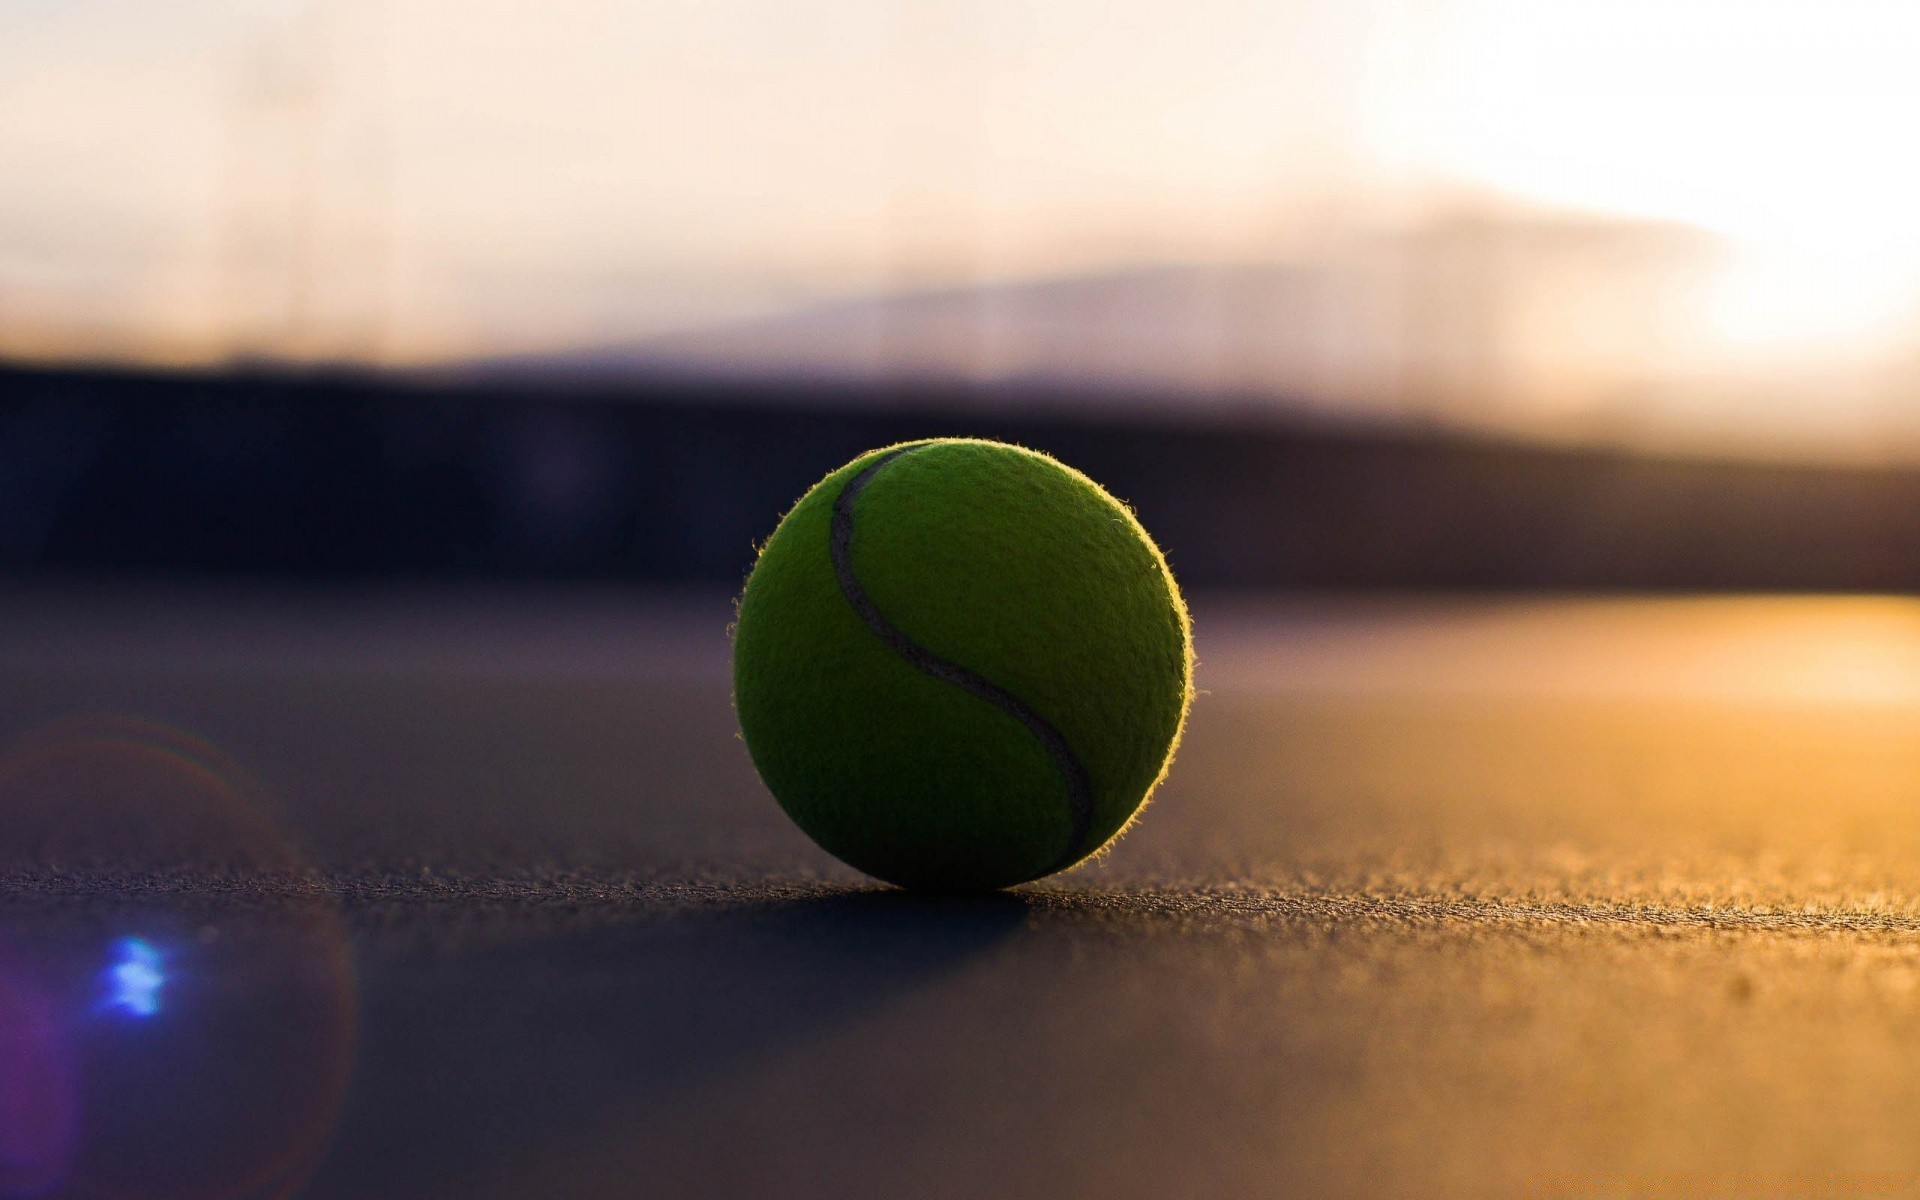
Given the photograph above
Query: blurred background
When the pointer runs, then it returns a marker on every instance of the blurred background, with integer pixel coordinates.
(1398, 293)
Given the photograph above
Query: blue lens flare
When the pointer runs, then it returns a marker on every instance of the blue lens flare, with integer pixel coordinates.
(135, 979)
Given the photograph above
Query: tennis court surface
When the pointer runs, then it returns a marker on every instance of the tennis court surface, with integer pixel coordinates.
(476, 894)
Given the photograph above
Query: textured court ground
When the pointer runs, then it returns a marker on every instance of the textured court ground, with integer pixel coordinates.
(1444, 898)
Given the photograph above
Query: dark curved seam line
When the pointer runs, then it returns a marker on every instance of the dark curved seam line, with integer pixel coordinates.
(840, 545)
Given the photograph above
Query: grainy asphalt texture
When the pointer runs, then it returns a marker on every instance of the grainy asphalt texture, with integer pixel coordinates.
(1443, 898)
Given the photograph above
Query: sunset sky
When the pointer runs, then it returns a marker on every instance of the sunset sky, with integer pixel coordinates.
(412, 181)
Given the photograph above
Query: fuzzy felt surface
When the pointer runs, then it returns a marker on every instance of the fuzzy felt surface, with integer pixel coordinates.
(1011, 566)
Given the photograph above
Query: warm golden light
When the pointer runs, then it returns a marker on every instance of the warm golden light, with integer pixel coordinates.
(1820, 651)
(1785, 126)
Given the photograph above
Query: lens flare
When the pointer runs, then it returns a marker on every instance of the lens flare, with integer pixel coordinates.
(200, 997)
(135, 979)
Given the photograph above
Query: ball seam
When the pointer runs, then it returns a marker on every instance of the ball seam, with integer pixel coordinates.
(1072, 773)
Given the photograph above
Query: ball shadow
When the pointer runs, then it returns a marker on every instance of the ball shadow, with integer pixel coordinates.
(470, 1059)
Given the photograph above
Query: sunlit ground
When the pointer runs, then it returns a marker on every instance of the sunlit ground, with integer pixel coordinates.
(1757, 750)
(1778, 652)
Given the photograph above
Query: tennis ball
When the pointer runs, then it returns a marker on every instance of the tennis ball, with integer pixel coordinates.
(961, 665)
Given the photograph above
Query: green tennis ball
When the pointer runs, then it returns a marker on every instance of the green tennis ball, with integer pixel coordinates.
(961, 665)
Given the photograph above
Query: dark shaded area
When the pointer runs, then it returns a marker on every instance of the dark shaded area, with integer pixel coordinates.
(319, 477)
(577, 1031)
